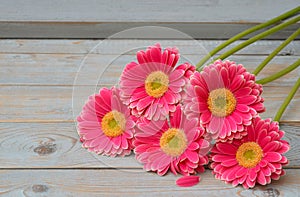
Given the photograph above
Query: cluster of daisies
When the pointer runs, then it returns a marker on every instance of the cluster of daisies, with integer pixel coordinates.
(177, 119)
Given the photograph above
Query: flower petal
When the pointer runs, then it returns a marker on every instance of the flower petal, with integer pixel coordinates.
(273, 157)
(187, 181)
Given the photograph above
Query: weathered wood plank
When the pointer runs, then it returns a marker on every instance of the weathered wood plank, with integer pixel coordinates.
(99, 19)
(50, 145)
(61, 69)
(111, 47)
(144, 11)
(130, 183)
(56, 145)
(54, 103)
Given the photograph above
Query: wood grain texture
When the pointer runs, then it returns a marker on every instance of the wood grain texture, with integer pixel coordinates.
(143, 11)
(50, 145)
(54, 103)
(62, 69)
(56, 145)
(119, 46)
(102, 18)
(130, 183)
(40, 153)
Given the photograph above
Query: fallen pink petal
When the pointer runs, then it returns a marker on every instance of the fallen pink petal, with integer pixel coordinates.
(188, 181)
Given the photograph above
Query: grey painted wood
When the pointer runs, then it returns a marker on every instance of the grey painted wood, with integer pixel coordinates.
(143, 11)
(54, 103)
(56, 145)
(119, 46)
(51, 145)
(40, 154)
(99, 19)
(61, 69)
(129, 183)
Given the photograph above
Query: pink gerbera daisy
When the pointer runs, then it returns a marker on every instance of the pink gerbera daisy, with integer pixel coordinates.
(179, 146)
(225, 98)
(153, 87)
(256, 158)
(105, 125)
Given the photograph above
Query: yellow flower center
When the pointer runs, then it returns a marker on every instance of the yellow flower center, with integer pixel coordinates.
(113, 124)
(156, 84)
(173, 142)
(221, 102)
(249, 154)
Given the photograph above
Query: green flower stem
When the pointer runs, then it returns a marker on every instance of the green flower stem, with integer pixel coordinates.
(246, 32)
(280, 73)
(258, 37)
(287, 101)
(276, 51)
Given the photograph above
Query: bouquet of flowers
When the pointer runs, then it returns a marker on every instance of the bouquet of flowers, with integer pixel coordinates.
(182, 118)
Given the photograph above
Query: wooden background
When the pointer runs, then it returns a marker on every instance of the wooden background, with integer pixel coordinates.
(40, 154)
